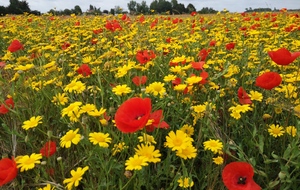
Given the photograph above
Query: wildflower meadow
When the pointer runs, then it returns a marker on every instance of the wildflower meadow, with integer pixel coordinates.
(150, 102)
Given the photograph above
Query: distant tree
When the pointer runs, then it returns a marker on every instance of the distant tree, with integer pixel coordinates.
(35, 12)
(132, 6)
(77, 10)
(206, 10)
(67, 12)
(154, 5)
(3, 10)
(18, 7)
(161, 6)
(190, 8)
(174, 3)
(142, 7)
(105, 11)
(118, 9)
(112, 11)
(181, 8)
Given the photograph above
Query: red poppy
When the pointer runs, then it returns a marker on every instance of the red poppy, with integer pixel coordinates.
(48, 149)
(193, 13)
(133, 114)
(8, 170)
(113, 25)
(176, 81)
(230, 46)
(283, 56)
(97, 31)
(84, 70)
(198, 65)
(65, 45)
(213, 43)
(139, 80)
(145, 56)
(244, 98)
(239, 176)
(15, 46)
(157, 121)
(204, 76)
(268, 80)
(203, 54)
(8, 103)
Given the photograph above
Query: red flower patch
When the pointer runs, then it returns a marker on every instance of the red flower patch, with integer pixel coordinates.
(144, 56)
(15, 46)
(268, 80)
(84, 70)
(239, 176)
(8, 103)
(8, 170)
(139, 80)
(157, 117)
(283, 56)
(244, 98)
(133, 114)
(48, 149)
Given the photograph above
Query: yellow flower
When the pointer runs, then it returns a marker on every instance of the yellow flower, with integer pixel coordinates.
(187, 152)
(156, 88)
(291, 130)
(28, 162)
(69, 138)
(276, 130)
(24, 67)
(75, 86)
(180, 87)
(60, 99)
(213, 145)
(193, 80)
(32, 122)
(149, 152)
(218, 160)
(99, 138)
(73, 107)
(188, 129)
(169, 78)
(48, 187)
(97, 113)
(118, 148)
(136, 162)
(147, 139)
(185, 182)
(87, 108)
(254, 95)
(266, 116)
(177, 141)
(76, 177)
(121, 89)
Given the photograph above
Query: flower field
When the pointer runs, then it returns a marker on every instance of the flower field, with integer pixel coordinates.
(150, 102)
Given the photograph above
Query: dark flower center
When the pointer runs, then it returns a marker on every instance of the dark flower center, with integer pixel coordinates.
(242, 180)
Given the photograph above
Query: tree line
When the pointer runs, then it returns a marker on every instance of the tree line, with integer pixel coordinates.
(156, 7)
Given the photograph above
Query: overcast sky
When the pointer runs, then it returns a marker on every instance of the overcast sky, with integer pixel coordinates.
(231, 5)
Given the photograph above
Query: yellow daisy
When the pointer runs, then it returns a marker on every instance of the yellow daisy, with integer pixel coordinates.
(28, 162)
(32, 122)
(99, 138)
(276, 130)
(69, 138)
(213, 145)
(76, 177)
(136, 162)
